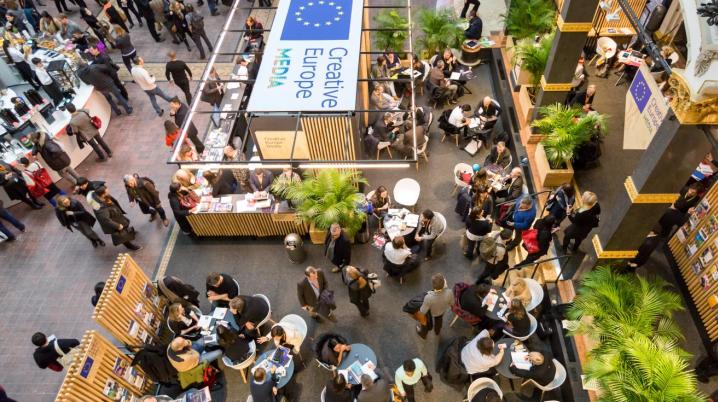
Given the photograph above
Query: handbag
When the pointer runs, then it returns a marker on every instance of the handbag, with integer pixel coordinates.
(94, 120)
(41, 177)
(65, 358)
(530, 240)
(189, 200)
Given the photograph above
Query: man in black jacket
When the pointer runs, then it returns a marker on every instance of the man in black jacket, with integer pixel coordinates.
(249, 311)
(146, 11)
(476, 26)
(99, 58)
(100, 76)
(112, 219)
(48, 350)
(177, 72)
(263, 389)
(542, 369)
(337, 248)
(55, 157)
(180, 111)
(309, 292)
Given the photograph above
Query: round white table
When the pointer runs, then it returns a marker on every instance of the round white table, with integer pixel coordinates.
(406, 192)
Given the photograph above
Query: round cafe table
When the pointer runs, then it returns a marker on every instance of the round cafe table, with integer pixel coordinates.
(391, 220)
(494, 312)
(503, 367)
(359, 353)
(289, 369)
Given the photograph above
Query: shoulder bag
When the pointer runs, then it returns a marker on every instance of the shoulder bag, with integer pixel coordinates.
(65, 358)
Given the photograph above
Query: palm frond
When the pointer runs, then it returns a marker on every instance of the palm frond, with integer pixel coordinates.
(528, 18)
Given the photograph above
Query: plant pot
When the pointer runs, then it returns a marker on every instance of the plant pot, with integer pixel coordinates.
(549, 177)
(521, 76)
(317, 236)
(526, 104)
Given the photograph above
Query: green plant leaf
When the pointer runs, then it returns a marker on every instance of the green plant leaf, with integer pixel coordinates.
(528, 18)
(438, 30)
(394, 40)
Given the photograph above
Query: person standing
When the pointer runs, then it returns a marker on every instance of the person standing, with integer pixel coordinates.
(143, 6)
(99, 58)
(100, 76)
(94, 24)
(72, 214)
(312, 293)
(177, 23)
(7, 216)
(213, 93)
(522, 219)
(48, 83)
(113, 14)
(55, 157)
(147, 83)
(141, 190)
(82, 126)
(113, 221)
(178, 73)
(358, 286)
(337, 248)
(38, 181)
(409, 374)
(429, 229)
(17, 57)
(436, 302)
(127, 49)
(12, 181)
(646, 248)
(180, 112)
(195, 25)
(127, 6)
(560, 202)
(582, 222)
(50, 349)
(467, 3)
(181, 210)
(263, 388)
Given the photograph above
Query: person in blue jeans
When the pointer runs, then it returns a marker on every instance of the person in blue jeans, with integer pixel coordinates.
(523, 218)
(7, 216)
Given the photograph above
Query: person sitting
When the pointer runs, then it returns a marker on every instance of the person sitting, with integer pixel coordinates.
(184, 358)
(447, 90)
(50, 349)
(405, 144)
(338, 389)
(398, 258)
(478, 355)
(492, 250)
(499, 155)
(222, 181)
(705, 169)
(383, 100)
(477, 226)
(488, 111)
(543, 237)
(542, 369)
(288, 176)
(383, 129)
(517, 320)
(380, 71)
(459, 118)
(253, 34)
(249, 311)
(183, 324)
(511, 187)
(476, 26)
(487, 394)
(331, 349)
(380, 202)
(393, 62)
(286, 335)
(582, 98)
(260, 180)
(519, 290)
(472, 299)
(430, 227)
(234, 346)
(263, 388)
(451, 63)
(221, 288)
(177, 291)
(374, 391)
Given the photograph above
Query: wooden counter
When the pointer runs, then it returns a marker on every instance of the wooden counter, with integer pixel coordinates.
(279, 220)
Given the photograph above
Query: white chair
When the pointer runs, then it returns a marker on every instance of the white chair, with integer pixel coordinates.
(536, 293)
(481, 384)
(242, 366)
(558, 379)
(442, 219)
(323, 395)
(532, 329)
(250, 399)
(323, 365)
(406, 192)
(238, 289)
(269, 313)
(458, 183)
(297, 323)
(422, 152)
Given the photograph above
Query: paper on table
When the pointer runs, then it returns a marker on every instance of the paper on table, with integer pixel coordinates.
(234, 96)
(455, 75)
(368, 369)
(411, 220)
(233, 85)
(243, 206)
(205, 321)
(219, 313)
(474, 122)
(520, 360)
(394, 211)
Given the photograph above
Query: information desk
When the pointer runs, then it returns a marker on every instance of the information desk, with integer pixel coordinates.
(277, 220)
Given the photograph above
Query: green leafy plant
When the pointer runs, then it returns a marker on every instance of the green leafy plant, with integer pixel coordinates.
(533, 57)
(327, 197)
(528, 18)
(397, 31)
(439, 30)
(636, 357)
(566, 128)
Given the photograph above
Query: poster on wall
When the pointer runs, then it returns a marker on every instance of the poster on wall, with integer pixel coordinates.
(311, 58)
(278, 144)
(645, 110)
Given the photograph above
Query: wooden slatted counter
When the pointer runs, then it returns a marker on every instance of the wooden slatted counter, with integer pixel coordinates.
(695, 250)
(278, 220)
(101, 372)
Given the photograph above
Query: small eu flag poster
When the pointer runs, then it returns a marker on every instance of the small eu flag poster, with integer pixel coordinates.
(318, 20)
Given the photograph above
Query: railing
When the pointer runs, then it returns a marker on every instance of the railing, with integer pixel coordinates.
(536, 265)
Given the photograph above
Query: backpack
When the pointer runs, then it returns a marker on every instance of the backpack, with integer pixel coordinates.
(196, 22)
(488, 247)
(530, 240)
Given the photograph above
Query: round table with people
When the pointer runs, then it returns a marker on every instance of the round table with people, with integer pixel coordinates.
(359, 353)
(493, 311)
(503, 367)
(283, 376)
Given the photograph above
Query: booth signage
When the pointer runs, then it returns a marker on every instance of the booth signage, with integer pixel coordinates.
(311, 58)
(644, 111)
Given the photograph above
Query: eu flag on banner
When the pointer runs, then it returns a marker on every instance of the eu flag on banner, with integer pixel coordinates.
(640, 91)
(318, 20)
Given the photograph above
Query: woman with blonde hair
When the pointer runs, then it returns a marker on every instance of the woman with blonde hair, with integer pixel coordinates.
(358, 286)
(183, 323)
(124, 43)
(177, 23)
(583, 220)
(519, 290)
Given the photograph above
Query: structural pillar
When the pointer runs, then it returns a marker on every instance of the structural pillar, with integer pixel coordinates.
(574, 22)
(663, 170)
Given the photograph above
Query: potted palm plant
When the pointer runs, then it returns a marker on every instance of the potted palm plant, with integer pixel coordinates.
(438, 30)
(327, 197)
(396, 30)
(529, 18)
(529, 62)
(564, 129)
(635, 356)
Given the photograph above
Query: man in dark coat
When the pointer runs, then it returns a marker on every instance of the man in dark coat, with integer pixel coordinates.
(99, 58)
(101, 77)
(55, 157)
(47, 353)
(309, 292)
(176, 291)
(146, 11)
(337, 248)
(180, 111)
(141, 190)
(72, 214)
(13, 183)
(476, 25)
(112, 219)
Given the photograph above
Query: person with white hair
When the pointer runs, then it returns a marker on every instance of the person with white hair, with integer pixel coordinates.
(141, 190)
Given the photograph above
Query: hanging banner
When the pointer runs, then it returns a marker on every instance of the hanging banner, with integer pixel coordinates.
(311, 58)
(644, 112)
